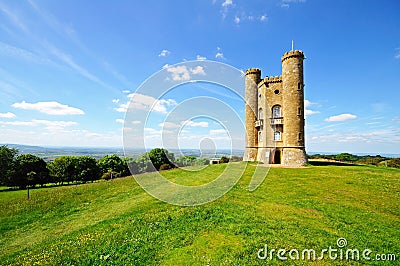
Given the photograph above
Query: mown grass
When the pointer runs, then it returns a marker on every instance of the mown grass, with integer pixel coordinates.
(117, 223)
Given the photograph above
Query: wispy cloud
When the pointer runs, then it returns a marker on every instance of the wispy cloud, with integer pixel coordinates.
(19, 53)
(191, 123)
(67, 59)
(287, 3)
(48, 124)
(341, 118)
(397, 53)
(200, 58)
(14, 19)
(50, 108)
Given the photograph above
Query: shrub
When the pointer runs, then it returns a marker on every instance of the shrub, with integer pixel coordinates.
(165, 167)
(224, 159)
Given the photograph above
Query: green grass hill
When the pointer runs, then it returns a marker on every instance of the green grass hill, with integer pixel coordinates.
(117, 223)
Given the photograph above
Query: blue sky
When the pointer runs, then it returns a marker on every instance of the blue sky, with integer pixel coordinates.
(69, 68)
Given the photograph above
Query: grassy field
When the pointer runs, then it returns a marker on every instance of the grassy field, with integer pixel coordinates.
(117, 223)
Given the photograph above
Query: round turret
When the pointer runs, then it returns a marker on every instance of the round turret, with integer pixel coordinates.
(252, 78)
(293, 104)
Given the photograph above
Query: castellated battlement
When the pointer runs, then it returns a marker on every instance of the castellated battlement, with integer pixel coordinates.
(266, 80)
(253, 71)
(290, 54)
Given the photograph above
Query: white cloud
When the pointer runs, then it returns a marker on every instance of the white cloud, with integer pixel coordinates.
(168, 125)
(227, 3)
(191, 123)
(218, 131)
(286, 3)
(200, 58)
(310, 112)
(198, 70)
(50, 125)
(182, 73)
(219, 55)
(164, 53)
(179, 73)
(263, 18)
(236, 20)
(122, 108)
(145, 102)
(119, 120)
(136, 122)
(115, 100)
(50, 108)
(307, 111)
(7, 115)
(341, 118)
(126, 91)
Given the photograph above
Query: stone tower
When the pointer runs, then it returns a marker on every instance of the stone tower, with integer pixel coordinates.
(252, 78)
(275, 114)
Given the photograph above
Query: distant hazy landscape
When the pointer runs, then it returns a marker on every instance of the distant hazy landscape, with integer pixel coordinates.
(50, 153)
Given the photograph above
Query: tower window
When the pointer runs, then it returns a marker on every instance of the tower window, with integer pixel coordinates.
(277, 135)
(299, 111)
(276, 111)
(300, 136)
(276, 91)
(259, 136)
(260, 114)
(300, 86)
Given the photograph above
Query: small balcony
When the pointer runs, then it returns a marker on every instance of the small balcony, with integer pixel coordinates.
(259, 123)
(276, 121)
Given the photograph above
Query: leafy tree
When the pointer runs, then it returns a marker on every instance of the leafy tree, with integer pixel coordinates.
(63, 169)
(144, 163)
(87, 169)
(224, 159)
(160, 156)
(185, 160)
(347, 157)
(112, 163)
(30, 171)
(7, 157)
(202, 161)
(131, 166)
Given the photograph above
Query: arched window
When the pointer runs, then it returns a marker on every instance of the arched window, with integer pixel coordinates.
(259, 136)
(276, 111)
(260, 114)
(277, 135)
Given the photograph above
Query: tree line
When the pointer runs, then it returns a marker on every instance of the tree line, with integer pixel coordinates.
(28, 170)
(359, 159)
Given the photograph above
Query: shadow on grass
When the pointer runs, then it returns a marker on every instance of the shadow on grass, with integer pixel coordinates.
(330, 163)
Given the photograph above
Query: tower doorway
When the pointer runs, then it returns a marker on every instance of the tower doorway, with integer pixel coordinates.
(276, 159)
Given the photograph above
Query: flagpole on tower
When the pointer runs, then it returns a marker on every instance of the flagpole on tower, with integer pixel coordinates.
(292, 45)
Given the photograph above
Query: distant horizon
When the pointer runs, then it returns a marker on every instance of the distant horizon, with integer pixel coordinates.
(121, 148)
